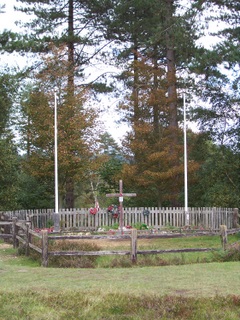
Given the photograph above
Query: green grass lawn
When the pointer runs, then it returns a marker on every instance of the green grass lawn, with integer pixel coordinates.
(190, 291)
(167, 243)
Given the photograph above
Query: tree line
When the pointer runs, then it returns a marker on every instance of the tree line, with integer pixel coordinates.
(158, 50)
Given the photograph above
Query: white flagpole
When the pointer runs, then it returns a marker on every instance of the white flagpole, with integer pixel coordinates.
(185, 163)
(56, 213)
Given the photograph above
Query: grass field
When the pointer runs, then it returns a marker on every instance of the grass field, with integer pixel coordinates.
(188, 291)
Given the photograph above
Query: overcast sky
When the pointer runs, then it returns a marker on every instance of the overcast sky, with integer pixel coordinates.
(109, 116)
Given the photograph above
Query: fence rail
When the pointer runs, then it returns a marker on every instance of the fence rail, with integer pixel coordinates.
(210, 218)
(21, 232)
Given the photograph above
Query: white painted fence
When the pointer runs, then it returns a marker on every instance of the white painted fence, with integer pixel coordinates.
(158, 217)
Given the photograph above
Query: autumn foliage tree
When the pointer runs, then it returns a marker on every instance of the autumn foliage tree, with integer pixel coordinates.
(75, 124)
(154, 46)
(155, 168)
(153, 36)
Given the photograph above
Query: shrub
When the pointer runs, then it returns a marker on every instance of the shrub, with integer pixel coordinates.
(50, 223)
(232, 254)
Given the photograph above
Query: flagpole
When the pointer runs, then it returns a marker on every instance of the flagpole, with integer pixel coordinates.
(185, 163)
(56, 213)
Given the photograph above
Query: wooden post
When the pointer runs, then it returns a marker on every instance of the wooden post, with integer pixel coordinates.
(134, 245)
(44, 248)
(27, 239)
(223, 236)
(235, 217)
(14, 232)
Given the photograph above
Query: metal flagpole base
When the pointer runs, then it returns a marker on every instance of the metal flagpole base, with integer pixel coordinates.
(56, 221)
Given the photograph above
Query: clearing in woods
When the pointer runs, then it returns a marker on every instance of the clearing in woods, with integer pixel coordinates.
(203, 279)
(185, 292)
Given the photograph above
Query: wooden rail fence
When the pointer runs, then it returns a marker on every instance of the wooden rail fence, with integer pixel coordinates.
(154, 217)
(21, 232)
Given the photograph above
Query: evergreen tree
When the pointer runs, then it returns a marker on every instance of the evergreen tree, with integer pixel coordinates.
(153, 38)
(219, 70)
(9, 161)
(59, 24)
(217, 180)
(75, 129)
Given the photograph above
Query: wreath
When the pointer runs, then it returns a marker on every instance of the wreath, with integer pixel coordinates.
(146, 212)
(114, 210)
(93, 211)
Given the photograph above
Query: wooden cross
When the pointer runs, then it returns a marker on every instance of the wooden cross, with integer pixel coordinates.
(121, 195)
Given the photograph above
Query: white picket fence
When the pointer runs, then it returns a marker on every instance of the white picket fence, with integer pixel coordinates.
(210, 218)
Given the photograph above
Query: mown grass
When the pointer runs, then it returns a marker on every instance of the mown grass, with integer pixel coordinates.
(163, 259)
(185, 291)
(175, 292)
(114, 261)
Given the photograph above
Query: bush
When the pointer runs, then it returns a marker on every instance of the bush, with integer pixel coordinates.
(231, 254)
(50, 223)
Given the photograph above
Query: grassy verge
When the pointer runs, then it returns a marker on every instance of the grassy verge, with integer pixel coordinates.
(101, 306)
(194, 291)
(118, 261)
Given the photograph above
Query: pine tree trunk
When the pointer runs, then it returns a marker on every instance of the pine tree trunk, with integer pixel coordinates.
(69, 193)
(172, 99)
(135, 87)
(69, 180)
(156, 124)
(171, 73)
(172, 89)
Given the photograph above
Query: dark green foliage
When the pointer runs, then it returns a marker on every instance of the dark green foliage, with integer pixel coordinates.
(110, 170)
(9, 160)
(219, 66)
(34, 193)
(8, 85)
(141, 34)
(9, 166)
(216, 183)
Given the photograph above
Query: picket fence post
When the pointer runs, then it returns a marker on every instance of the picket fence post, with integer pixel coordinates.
(235, 217)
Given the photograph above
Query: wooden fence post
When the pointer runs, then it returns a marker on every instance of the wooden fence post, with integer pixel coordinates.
(14, 232)
(27, 239)
(134, 245)
(223, 236)
(235, 217)
(44, 248)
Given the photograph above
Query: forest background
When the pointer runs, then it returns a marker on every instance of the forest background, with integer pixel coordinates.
(151, 52)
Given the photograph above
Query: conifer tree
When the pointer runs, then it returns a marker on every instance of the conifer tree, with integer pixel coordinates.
(76, 125)
(62, 23)
(219, 70)
(9, 160)
(152, 36)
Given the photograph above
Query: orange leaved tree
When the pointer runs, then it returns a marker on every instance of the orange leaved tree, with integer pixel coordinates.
(76, 132)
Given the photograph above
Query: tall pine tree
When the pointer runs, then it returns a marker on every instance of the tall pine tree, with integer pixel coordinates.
(156, 44)
(57, 24)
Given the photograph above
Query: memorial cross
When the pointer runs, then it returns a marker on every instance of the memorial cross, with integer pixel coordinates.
(120, 195)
